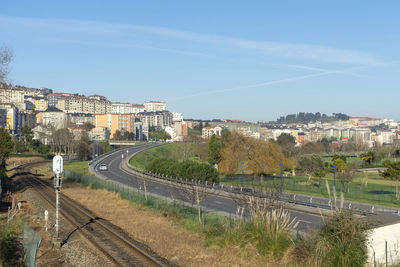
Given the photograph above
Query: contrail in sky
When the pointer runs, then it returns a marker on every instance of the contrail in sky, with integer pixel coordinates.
(265, 84)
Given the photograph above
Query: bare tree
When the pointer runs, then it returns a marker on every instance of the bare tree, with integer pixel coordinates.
(6, 56)
(194, 193)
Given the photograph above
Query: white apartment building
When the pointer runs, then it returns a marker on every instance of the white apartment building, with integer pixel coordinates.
(55, 118)
(177, 117)
(387, 136)
(121, 108)
(171, 131)
(153, 106)
(136, 108)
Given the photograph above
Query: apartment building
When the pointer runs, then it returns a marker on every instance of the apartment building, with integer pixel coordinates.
(137, 108)
(99, 134)
(114, 122)
(11, 117)
(154, 106)
(387, 136)
(54, 117)
(208, 131)
(139, 136)
(53, 98)
(364, 121)
(98, 97)
(177, 117)
(121, 108)
(159, 119)
(39, 103)
(81, 104)
(81, 118)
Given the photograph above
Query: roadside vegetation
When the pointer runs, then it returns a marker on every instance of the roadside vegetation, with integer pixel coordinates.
(81, 167)
(304, 171)
(270, 230)
(9, 241)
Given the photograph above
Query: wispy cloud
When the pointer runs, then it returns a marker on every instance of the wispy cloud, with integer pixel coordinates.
(264, 84)
(309, 52)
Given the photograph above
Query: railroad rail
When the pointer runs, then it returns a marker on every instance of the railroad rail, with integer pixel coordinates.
(119, 249)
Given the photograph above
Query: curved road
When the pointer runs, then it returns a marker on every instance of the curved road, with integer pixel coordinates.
(215, 203)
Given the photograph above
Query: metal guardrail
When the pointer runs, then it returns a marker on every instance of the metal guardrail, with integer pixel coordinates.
(296, 199)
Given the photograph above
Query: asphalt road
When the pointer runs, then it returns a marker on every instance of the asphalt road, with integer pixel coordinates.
(214, 202)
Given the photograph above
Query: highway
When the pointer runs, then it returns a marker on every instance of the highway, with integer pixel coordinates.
(216, 203)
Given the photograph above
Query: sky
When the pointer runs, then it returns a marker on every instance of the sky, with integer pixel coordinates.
(246, 60)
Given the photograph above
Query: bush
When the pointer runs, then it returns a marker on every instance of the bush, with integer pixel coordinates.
(9, 242)
(270, 232)
(342, 241)
(186, 169)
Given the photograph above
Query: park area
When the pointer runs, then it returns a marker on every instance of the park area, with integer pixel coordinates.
(366, 186)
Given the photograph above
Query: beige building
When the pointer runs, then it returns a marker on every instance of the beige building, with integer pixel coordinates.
(153, 106)
(81, 104)
(114, 122)
(208, 131)
(99, 133)
(364, 121)
(136, 108)
(18, 95)
(11, 117)
(41, 104)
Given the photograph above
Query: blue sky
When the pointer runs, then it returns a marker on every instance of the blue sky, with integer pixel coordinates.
(249, 60)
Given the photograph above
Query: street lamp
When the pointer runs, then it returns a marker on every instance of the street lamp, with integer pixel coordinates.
(93, 150)
(242, 175)
(280, 166)
(334, 182)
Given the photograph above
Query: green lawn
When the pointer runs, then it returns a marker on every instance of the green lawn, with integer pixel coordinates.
(79, 167)
(143, 158)
(376, 191)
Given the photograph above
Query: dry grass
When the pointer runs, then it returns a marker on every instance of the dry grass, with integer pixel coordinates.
(161, 233)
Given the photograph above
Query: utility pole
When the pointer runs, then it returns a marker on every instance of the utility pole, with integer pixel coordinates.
(57, 169)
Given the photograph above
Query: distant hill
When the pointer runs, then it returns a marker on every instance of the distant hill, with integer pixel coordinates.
(303, 117)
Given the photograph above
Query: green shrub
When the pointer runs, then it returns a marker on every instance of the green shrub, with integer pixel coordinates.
(186, 169)
(9, 242)
(341, 242)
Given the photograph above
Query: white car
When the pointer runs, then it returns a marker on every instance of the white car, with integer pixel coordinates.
(103, 167)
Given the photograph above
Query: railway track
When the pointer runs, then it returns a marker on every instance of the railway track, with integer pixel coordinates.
(117, 247)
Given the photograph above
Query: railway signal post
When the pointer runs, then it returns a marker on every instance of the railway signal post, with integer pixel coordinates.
(57, 169)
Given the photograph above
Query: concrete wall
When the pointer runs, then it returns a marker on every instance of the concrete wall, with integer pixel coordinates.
(378, 237)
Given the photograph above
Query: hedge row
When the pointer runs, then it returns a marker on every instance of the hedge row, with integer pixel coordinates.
(186, 169)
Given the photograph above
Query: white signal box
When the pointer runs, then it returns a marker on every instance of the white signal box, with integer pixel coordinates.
(57, 165)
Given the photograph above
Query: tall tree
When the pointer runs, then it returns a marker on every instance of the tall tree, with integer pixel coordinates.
(287, 142)
(267, 156)
(311, 165)
(83, 147)
(214, 147)
(164, 135)
(392, 172)
(6, 146)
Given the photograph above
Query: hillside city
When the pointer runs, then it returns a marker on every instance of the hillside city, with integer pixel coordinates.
(42, 108)
(199, 133)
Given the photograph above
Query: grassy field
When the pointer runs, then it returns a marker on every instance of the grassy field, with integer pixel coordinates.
(143, 158)
(375, 191)
(81, 167)
(365, 187)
